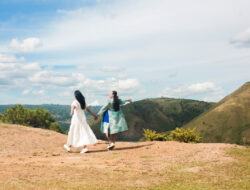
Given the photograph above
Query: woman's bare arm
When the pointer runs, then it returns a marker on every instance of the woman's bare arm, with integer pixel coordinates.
(72, 110)
(88, 110)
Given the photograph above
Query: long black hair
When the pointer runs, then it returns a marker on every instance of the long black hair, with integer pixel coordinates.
(80, 98)
(116, 105)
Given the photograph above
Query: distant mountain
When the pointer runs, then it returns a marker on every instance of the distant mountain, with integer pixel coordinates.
(160, 114)
(228, 121)
(61, 113)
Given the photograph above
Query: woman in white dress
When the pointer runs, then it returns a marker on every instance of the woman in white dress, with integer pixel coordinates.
(80, 134)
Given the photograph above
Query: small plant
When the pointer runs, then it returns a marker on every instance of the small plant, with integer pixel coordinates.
(151, 135)
(184, 135)
(181, 135)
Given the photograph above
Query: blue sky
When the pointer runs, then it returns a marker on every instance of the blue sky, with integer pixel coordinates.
(195, 49)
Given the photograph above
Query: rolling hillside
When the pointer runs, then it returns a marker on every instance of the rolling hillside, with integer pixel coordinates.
(228, 121)
(160, 114)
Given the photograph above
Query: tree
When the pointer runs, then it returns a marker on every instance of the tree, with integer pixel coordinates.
(15, 115)
(41, 118)
(55, 127)
(38, 118)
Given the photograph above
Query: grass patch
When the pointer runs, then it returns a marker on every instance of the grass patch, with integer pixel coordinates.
(148, 156)
(220, 176)
(240, 153)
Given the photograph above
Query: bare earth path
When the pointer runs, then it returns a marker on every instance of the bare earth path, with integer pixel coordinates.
(35, 159)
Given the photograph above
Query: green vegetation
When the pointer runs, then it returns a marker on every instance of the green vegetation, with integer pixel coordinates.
(59, 112)
(228, 121)
(181, 135)
(38, 118)
(56, 127)
(218, 176)
(184, 135)
(159, 114)
(151, 135)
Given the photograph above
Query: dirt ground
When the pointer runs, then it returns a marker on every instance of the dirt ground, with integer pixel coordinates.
(35, 159)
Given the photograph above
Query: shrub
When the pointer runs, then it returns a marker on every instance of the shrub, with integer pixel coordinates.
(184, 135)
(181, 135)
(153, 136)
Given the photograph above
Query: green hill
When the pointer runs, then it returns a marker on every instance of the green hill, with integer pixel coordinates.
(160, 114)
(228, 121)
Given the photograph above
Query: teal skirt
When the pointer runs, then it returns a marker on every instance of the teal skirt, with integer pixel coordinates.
(114, 122)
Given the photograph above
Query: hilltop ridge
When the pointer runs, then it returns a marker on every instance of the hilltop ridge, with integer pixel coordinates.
(228, 121)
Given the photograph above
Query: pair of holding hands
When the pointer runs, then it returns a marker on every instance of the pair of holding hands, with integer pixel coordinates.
(95, 117)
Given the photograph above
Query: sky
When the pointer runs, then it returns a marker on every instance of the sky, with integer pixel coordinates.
(195, 49)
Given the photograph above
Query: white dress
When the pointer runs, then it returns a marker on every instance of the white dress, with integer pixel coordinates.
(80, 133)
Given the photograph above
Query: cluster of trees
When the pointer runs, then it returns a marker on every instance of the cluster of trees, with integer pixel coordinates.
(38, 118)
(60, 113)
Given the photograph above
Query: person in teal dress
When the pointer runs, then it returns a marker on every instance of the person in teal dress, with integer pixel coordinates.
(113, 120)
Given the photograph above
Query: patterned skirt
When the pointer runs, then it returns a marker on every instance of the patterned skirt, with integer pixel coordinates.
(113, 122)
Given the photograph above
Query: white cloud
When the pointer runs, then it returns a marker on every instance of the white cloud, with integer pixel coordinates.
(7, 58)
(50, 78)
(128, 84)
(26, 46)
(65, 94)
(111, 69)
(151, 38)
(38, 92)
(95, 103)
(26, 91)
(202, 87)
(103, 87)
(207, 91)
(242, 39)
(121, 76)
(139, 23)
(213, 98)
(18, 71)
(84, 67)
(28, 76)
